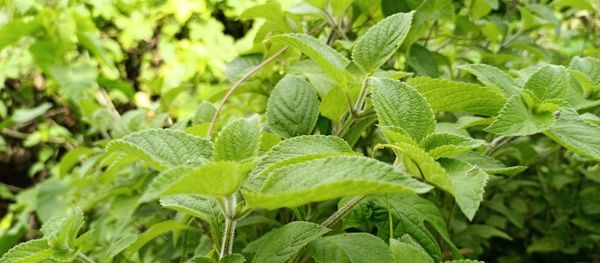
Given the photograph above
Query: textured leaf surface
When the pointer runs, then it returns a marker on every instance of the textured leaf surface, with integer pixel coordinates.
(494, 77)
(330, 60)
(357, 248)
(549, 82)
(469, 183)
(407, 252)
(203, 207)
(239, 140)
(153, 232)
(284, 242)
(220, 178)
(589, 66)
(328, 178)
(446, 144)
(162, 149)
(518, 120)
(576, 135)
(410, 213)
(401, 106)
(489, 164)
(32, 251)
(446, 95)
(379, 43)
(293, 107)
(162, 181)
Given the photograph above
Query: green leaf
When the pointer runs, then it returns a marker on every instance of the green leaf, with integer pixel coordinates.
(549, 82)
(517, 119)
(464, 261)
(32, 251)
(299, 149)
(239, 140)
(422, 61)
(162, 149)
(469, 183)
(355, 248)
(221, 178)
(489, 164)
(577, 135)
(378, 44)
(293, 107)
(61, 232)
(589, 66)
(447, 95)
(328, 178)
(202, 207)
(284, 242)
(76, 80)
(408, 251)
(401, 106)
(15, 29)
(446, 144)
(332, 62)
(125, 240)
(411, 215)
(152, 233)
(26, 115)
(162, 181)
(494, 77)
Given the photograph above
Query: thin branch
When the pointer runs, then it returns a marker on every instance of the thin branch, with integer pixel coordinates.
(342, 211)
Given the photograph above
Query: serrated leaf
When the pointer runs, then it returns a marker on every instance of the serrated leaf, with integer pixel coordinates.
(407, 252)
(153, 232)
(379, 43)
(330, 60)
(411, 215)
(446, 144)
(517, 119)
(284, 242)
(494, 77)
(299, 149)
(548, 82)
(328, 178)
(469, 183)
(576, 135)
(202, 207)
(356, 248)
(61, 232)
(32, 251)
(447, 95)
(162, 181)
(162, 149)
(589, 66)
(221, 178)
(401, 106)
(239, 140)
(293, 107)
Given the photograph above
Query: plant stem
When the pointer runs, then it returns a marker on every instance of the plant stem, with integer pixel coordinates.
(237, 84)
(499, 143)
(342, 211)
(228, 235)
(85, 258)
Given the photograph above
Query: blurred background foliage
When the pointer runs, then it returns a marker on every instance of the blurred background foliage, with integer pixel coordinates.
(75, 74)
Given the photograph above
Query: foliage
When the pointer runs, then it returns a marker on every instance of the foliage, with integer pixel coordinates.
(299, 131)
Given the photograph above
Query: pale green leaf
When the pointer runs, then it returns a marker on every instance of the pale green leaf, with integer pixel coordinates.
(548, 82)
(446, 144)
(161, 149)
(422, 61)
(239, 140)
(447, 95)
(464, 261)
(202, 207)
(153, 232)
(293, 107)
(220, 178)
(329, 178)
(162, 181)
(32, 251)
(401, 106)
(356, 248)
(25, 115)
(15, 29)
(330, 60)
(517, 119)
(378, 44)
(589, 66)
(469, 183)
(576, 135)
(408, 252)
(284, 242)
(61, 232)
(125, 240)
(494, 77)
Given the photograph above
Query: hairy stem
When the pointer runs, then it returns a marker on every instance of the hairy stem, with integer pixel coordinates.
(85, 258)
(342, 211)
(228, 235)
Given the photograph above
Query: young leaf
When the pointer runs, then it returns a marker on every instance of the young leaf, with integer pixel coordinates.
(153, 232)
(202, 207)
(446, 144)
(220, 178)
(379, 43)
(32, 251)
(576, 135)
(162, 181)
(328, 178)
(447, 95)
(284, 242)
(518, 120)
(330, 60)
(469, 183)
(238, 141)
(355, 247)
(401, 106)
(162, 149)
(549, 82)
(293, 107)
(494, 77)
(589, 66)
